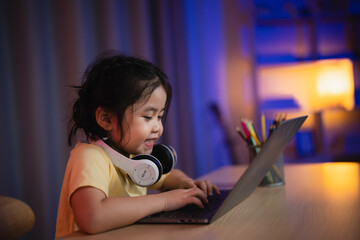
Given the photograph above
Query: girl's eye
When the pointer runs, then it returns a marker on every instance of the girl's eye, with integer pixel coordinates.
(150, 117)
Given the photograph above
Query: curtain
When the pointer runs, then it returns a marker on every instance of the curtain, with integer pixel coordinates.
(45, 47)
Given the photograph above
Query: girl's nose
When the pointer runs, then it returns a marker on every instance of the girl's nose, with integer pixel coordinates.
(157, 126)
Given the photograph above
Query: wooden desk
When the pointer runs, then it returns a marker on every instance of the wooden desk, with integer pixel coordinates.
(318, 201)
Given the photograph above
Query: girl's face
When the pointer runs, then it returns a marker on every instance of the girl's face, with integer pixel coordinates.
(142, 124)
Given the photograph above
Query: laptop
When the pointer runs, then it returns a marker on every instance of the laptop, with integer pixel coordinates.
(219, 205)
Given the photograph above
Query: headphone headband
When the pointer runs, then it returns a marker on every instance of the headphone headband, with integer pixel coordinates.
(144, 170)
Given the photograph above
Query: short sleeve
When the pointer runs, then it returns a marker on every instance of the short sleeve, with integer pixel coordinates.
(88, 167)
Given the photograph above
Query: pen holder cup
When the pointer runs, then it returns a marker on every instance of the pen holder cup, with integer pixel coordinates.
(275, 176)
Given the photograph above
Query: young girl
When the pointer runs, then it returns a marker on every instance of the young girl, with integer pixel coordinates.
(122, 102)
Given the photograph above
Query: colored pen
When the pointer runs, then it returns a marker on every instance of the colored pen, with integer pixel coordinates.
(263, 129)
(253, 133)
(246, 131)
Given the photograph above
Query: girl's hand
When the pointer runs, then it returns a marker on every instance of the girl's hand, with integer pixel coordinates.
(206, 186)
(178, 179)
(179, 198)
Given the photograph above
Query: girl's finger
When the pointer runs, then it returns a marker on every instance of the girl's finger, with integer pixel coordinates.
(216, 189)
(203, 187)
(209, 187)
(201, 195)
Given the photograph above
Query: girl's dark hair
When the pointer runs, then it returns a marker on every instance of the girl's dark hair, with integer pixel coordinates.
(115, 82)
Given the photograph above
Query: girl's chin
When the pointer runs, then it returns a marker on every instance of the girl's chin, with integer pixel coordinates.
(148, 151)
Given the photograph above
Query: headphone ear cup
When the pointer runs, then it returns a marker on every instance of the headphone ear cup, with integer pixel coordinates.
(152, 159)
(166, 155)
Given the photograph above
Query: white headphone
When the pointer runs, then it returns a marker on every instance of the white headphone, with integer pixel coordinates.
(144, 170)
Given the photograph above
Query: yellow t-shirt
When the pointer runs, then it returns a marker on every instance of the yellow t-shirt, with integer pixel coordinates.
(89, 165)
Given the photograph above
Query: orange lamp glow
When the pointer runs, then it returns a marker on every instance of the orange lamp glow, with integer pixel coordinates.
(335, 84)
(315, 86)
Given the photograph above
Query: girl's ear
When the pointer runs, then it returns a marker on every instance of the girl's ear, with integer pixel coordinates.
(104, 118)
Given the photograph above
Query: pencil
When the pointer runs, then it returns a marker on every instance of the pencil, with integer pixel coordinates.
(246, 131)
(263, 130)
(277, 171)
(253, 133)
(253, 136)
(269, 177)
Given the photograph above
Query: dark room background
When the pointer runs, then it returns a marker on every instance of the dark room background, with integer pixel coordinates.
(217, 54)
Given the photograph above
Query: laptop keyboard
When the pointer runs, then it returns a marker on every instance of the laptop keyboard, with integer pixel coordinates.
(193, 211)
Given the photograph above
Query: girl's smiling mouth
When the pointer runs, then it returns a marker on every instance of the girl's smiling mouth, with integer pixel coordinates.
(149, 142)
